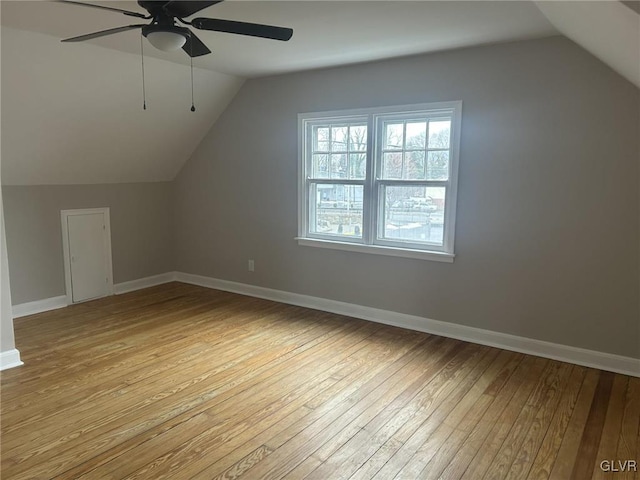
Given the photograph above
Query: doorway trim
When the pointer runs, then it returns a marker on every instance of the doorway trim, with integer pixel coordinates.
(64, 215)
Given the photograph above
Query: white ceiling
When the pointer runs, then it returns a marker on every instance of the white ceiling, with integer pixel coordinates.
(74, 115)
(609, 30)
(71, 112)
(326, 33)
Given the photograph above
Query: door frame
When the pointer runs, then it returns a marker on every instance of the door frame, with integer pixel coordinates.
(64, 215)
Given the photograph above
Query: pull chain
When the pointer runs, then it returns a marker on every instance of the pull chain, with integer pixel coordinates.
(144, 93)
(193, 108)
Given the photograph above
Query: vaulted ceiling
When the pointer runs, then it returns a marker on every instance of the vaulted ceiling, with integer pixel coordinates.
(326, 33)
(609, 30)
(72, 113)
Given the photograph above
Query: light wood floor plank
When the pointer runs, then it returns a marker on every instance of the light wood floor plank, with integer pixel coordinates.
(132, 399)
(337, 455)
(586, 458)
(142, 368)
(534, 418)
(548, 451)
(502, 392)
(178, 381)
(627, 443)
(432, 426)
(236, 382)
(348, 382)
(388, 440)
(570, 441)
(289, 454)
(612, 427)
(438, 456)
(255, 404)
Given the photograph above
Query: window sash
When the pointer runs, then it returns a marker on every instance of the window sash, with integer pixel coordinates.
(311, 193)
(331, 121)
(373, 221)
(380, 238)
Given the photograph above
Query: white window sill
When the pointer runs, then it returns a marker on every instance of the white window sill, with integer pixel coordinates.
(377, 250)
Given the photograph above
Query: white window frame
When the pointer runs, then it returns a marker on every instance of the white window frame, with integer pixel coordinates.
(370, 241)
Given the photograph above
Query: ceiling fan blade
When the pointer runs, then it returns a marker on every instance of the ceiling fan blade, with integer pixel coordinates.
(126, 12)
(194, 46)
(243, 28)
(102, 33)
(181, 9)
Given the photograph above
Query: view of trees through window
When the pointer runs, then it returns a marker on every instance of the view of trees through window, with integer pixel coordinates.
(413, 157)
(407, 155)
(340, 151)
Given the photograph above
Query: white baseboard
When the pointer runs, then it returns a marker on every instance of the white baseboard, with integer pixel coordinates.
(141, 283)
(10, 359)
(555, 351)
(53, 303)
(39, 306)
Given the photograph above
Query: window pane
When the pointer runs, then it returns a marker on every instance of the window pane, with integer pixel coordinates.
(357, 166)
(358, 138)
(393, 133)
(438, 166)
(320, 167)
(339, 151)
(439, 132)
(337, 210)
(414, 166)
(339, 139)
(392, 166)
(339, 165)
(321, 139)
(413, 214)
(416, 135)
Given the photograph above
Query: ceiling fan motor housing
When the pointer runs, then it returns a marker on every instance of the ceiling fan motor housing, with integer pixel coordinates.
(164, 34)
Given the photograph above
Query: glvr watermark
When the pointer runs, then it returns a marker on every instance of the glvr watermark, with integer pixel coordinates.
(619, 466)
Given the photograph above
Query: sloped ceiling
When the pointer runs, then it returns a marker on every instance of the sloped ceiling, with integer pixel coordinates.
(609, 30)
(71, 113)
(74, 115)
(326, 33)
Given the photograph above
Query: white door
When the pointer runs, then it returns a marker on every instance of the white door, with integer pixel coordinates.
(89, 255)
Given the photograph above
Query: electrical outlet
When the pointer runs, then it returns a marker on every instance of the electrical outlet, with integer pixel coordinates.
(251, 266)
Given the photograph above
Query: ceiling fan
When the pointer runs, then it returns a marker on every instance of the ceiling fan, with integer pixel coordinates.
(164, 34)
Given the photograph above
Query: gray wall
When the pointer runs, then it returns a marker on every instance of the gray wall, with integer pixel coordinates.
(141, 232)
(7, 339)
(547, 235)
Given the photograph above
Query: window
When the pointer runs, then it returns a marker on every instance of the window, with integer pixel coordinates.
(380, 180)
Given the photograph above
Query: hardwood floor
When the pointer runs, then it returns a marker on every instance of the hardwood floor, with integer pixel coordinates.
(178, 381)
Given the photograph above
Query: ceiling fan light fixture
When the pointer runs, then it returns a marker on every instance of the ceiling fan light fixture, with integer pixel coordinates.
(166, 41)
(164, 34)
